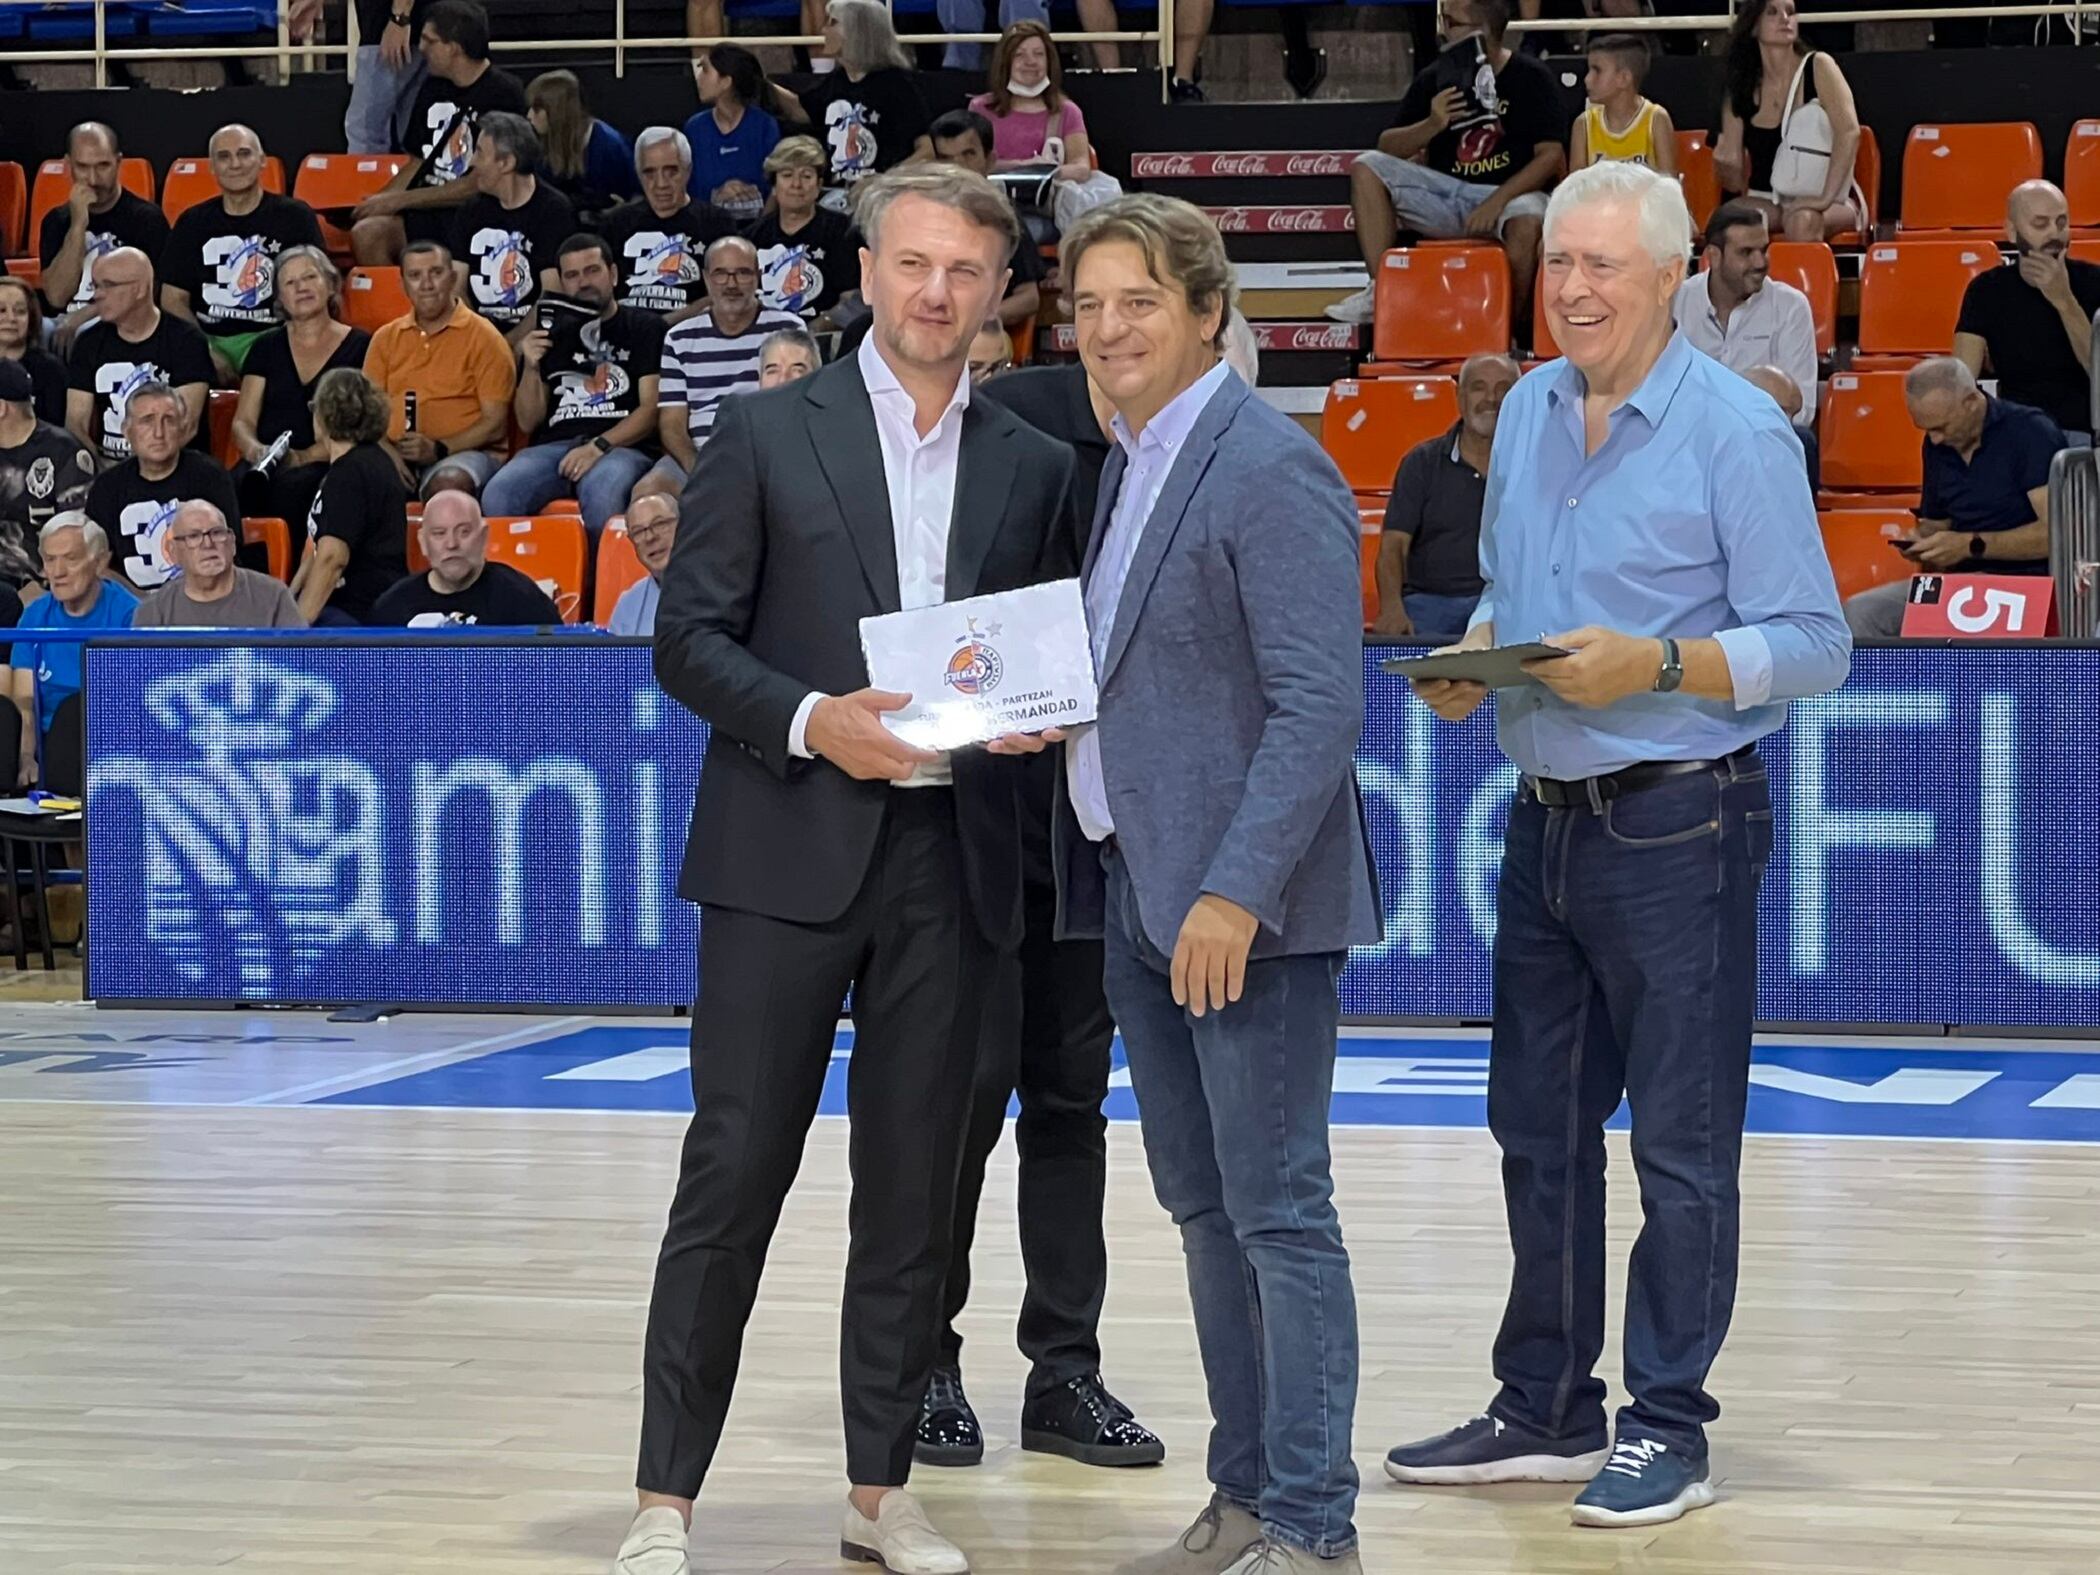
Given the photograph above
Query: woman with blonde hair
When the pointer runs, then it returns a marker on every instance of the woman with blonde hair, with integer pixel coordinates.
(808, 254)
(277, 387)
(869, 111)
(1035, 125)
(586, 160)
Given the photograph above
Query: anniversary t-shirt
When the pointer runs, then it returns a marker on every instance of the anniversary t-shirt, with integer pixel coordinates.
(868, 125)
(109, 366)
(1489, 142)
(363, 505)
(505, 250)
(46, 472)
(660, 258)
(135, 513)
(594, 377)
(441, 125)
(499, 596)
(808, 271)
(228, 263)
(131, 221)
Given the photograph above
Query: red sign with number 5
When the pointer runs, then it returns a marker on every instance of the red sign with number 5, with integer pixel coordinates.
(1980, 607)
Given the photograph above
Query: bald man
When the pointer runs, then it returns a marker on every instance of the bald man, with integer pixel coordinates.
(652, 525)
(2030, 323)
(1429, 554)
(461, 586)
(133, 343)
(98, 216)
(1786, 394)
(219, 269)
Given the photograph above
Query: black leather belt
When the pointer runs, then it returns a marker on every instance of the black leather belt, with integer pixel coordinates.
(1593, 793)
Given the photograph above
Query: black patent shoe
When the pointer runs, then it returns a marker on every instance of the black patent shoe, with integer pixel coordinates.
(1082, 1421)
(948, 1432)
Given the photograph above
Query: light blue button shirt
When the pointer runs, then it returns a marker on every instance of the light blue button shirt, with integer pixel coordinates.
(635, 611)
(1148, 459)
(1692, 520)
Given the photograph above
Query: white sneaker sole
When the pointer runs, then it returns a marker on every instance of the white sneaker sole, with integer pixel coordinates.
(1517, 1468)
(867, 1553)
(1697, 1496)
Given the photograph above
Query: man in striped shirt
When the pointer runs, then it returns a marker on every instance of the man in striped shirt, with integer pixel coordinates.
(709, 357)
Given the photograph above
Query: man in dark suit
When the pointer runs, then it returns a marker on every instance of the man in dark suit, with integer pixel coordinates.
(826, 854)
(1213, 836)
(1058, 1064)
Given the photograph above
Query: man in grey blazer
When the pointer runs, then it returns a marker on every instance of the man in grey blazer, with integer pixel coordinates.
(1211, 834)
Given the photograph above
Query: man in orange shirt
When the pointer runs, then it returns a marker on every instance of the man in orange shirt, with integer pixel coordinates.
(448, 377)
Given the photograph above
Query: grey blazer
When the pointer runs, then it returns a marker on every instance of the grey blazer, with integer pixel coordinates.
(1232, 695)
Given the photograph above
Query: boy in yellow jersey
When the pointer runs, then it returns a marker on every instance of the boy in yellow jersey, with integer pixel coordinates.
(1619, 124)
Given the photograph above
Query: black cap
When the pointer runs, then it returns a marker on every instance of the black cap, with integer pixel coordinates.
(15, 385)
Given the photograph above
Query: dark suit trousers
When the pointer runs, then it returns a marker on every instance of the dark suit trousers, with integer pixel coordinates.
(1058, 1062)
(923, 979)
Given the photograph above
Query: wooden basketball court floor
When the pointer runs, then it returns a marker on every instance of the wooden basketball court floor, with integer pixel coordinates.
(283, 1295)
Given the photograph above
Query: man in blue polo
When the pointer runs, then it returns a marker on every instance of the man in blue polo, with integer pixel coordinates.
(1985, 507)
(1647, 510)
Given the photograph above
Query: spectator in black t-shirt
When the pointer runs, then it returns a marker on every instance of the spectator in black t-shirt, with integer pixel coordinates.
(660, 238)
(504, 242)
(278, 383)
(808, 255)
(2030, 324)
(964, 137)
(463, 85)
(868, 112)
(219, 269)
(134, 343)
(97, 217)
(588, 397)
(22, 339)
(44, 470)
(462, 586)
(1429, 553)
(357, 530)
(1492, 130)
(134, 501)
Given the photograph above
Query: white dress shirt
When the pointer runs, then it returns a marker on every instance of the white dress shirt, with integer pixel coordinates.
(1775, 327)
(920, 472)
(1148, 460)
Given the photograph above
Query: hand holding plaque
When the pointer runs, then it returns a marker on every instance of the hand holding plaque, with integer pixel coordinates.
(985, 668)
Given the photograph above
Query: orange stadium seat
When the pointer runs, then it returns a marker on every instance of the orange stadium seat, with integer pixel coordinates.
(14, 208)
(1857, 541)
(220, 405)
(1956, 177)
(190, 182)
(1866, 170)
(618, 568)
(1367, 426)
(1910, 296)
(1543, 345)
(1695, 169)
(342, 180)
(1438, 305)
(275, 538)
(2082, 176)
(1873, 457)
(1811, 268)
(373, 297)
(550, 549)
(54, 183)
(2086, 248)
(1367, 559)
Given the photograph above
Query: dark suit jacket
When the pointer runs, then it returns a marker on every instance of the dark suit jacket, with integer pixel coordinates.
(784, 545)
(1053, 400)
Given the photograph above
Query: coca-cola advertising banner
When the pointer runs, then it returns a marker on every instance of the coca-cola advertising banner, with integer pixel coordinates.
(1242, 166)
(1316, 220)
(1269, 338)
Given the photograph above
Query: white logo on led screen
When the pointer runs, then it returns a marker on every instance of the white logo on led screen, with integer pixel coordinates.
(273, 841)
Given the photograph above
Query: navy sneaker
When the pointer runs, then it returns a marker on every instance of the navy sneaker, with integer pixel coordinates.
(1488, 1449)
(1646, 1483)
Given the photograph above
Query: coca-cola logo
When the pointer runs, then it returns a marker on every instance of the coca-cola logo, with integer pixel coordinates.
(1317, 164)
(1240, 164)
(1306, 336)
(1163, 165)
(1232, 221)
(1283, 221)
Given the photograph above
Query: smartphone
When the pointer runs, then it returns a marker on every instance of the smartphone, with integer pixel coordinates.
(408, 410)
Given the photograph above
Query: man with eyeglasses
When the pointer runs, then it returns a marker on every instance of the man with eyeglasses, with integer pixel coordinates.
(136, 501)
(652, 525)
(211, 591)
(709, 357)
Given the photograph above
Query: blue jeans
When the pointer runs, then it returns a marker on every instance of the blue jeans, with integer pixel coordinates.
(1625, 963)
(1234, 1106)
(531, 479)
(967, 16)
(1438, 617)
(378, 99)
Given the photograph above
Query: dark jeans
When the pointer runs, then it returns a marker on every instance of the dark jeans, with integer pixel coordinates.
(1625, 964)
(923, 978)
(1234, 1106)
(1058, 1062)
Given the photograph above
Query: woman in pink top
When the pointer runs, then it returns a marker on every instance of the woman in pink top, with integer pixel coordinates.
(1034, 124)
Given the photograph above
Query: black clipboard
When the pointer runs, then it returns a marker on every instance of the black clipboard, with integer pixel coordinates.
(1499, 667)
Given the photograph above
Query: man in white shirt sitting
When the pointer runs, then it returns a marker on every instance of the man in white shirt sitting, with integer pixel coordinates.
(1741, 317)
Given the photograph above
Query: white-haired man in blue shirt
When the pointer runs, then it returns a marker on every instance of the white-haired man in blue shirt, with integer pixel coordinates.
(1647, 509)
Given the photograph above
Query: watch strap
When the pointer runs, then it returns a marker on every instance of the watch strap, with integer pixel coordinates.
(1976, 545)
(601, 444)
(1672, 673)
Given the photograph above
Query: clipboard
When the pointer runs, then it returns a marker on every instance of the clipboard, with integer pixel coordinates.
(1499, 667)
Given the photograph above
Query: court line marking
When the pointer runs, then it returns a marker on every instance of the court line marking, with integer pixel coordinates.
(346, 1081)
